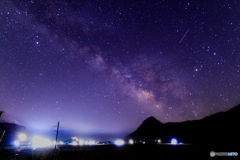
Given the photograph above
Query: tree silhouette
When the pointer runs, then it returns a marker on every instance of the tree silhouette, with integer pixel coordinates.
(1, 112)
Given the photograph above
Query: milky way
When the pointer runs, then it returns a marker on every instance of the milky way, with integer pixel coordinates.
(104, 67)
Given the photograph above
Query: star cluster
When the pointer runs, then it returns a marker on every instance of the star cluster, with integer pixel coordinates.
(104, 67)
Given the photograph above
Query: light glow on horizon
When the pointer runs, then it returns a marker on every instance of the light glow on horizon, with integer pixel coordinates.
(22, 136)
(40, 142)
(16, 143)
(174, 141)
(119, 142)
(131, 141)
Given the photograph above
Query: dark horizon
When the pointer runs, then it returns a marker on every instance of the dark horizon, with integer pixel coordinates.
(107, 66)
(228, 118)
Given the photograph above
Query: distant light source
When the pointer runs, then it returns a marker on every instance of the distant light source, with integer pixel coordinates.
(81, 142)
(40, 142)
(54, 142)
(119, 142)
(159, 140)
(61, 142)
(91, 142)
(86, 143)
(131, 141)
(74, 143)
(16, 143)
(173, 141)
(22, 136)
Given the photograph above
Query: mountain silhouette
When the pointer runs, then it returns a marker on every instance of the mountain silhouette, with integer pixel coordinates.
(150, 123)
(149, 129)
(220, 128)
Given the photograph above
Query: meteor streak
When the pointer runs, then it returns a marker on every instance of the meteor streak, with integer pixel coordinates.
(184, 36)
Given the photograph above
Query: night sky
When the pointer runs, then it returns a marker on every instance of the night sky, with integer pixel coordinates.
(105, 66)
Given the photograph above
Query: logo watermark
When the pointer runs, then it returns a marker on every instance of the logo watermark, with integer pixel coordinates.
(212, 153)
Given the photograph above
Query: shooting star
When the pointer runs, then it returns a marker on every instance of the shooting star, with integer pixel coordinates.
(184, 36)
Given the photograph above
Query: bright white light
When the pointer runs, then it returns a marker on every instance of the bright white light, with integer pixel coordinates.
(40, 142)
(54, 142)
(143, 142)
(81, 142)
(159, 141)
(74, 138)
(131, 141)
(173, 141)
(61, 142)
(22, 136)
(86, 143)
(74, 143)
(16, 143)
(91, 143)
(119, 142)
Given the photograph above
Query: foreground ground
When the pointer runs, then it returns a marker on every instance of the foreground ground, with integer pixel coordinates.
(126, 152)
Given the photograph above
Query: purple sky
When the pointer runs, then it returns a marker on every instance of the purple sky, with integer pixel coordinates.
(104, 67)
